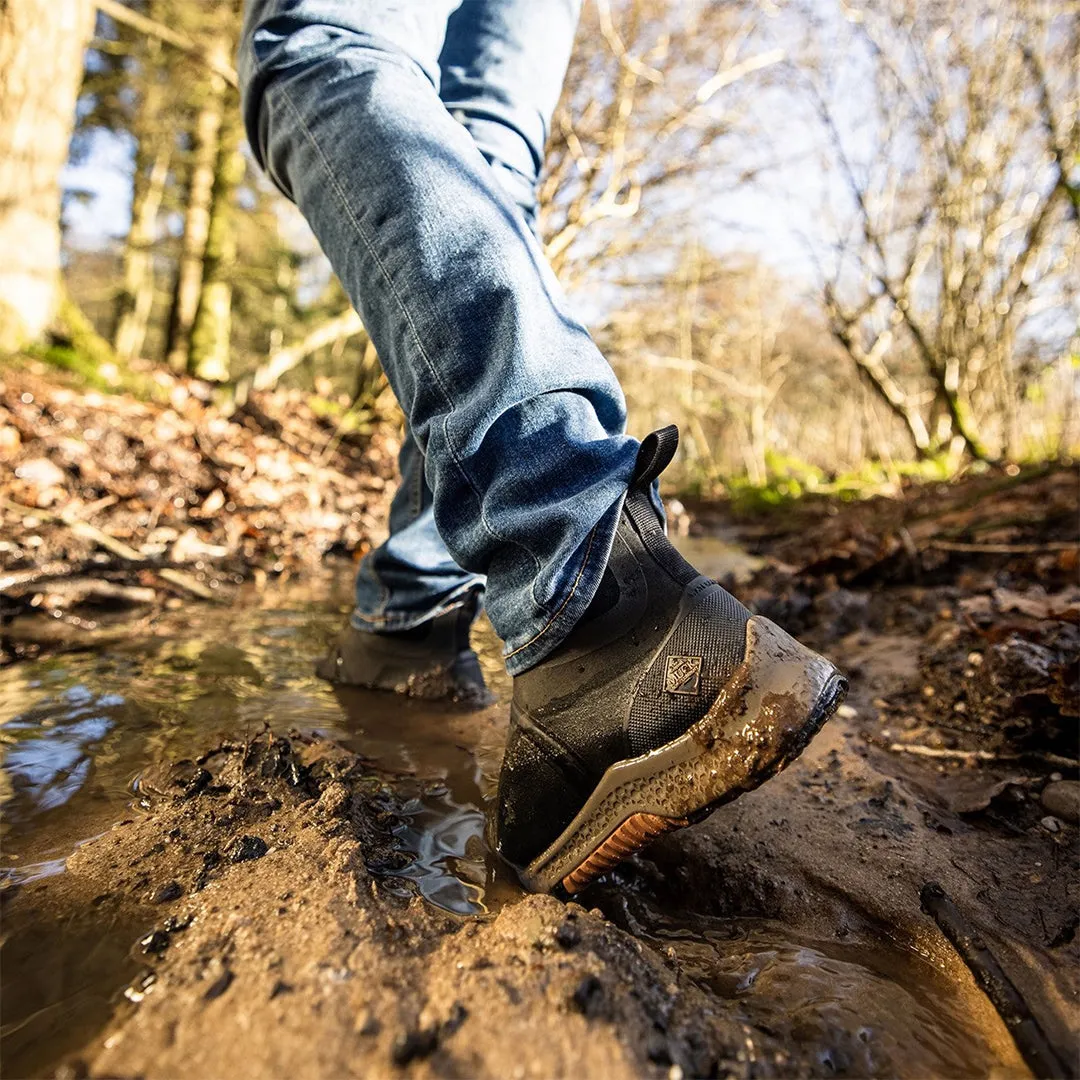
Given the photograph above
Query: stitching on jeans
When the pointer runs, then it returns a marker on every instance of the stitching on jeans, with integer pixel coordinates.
(359, 230)
(562, 606)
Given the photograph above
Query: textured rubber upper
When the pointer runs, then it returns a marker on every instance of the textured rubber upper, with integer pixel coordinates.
(714, 632)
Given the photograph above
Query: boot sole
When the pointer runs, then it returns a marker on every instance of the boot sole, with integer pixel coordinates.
(461, 682)
(776, 701)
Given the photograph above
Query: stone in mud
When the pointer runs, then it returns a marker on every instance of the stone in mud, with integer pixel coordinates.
(219, 985)
(1062, 799)
(414, 1045)
(246, 848)
(589, 998)
(171, 890)
(155, 943)
(458, 1015)
(367, 1024)
(568, 935)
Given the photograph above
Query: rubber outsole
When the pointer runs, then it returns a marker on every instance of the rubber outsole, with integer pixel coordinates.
(776, 701)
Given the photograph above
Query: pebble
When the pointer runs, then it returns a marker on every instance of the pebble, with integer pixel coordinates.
(568, 935)
(589, 996)
(1051, 824)
(414, 1045)
(219, 985)
(171, 890)
(155, 943)
(246, 848)
(1062, 799)
(367, 1024)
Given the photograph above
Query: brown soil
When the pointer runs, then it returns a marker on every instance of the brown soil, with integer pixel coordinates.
(275, 939)
(273, 950)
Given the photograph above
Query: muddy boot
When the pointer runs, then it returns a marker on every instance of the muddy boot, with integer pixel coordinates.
(666, 700)
(432, 661)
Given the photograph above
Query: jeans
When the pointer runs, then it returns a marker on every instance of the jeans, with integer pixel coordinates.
(410, 134)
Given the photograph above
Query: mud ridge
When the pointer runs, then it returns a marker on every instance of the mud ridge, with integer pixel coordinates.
(264, 945)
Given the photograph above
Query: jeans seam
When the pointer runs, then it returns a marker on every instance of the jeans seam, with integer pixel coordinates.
(366, 241)
(399, 617)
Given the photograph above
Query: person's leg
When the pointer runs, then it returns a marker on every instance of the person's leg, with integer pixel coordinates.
(520, 419)
(644, 694)
(411, 577)
(501, 71)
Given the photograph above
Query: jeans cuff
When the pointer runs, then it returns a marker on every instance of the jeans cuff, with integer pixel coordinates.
(520, 656)
(407, 620)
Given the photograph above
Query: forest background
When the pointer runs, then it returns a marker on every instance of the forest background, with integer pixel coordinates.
(835, 242)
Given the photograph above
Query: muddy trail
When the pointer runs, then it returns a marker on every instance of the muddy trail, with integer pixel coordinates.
(213, 864)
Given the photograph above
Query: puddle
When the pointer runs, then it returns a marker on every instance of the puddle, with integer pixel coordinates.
(76, 731)
(719, 558)
(855, 1008)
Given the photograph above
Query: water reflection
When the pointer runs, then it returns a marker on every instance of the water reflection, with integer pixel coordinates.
(855, 1007)
(76, 730)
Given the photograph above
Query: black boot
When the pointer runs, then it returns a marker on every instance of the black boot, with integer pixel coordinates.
(666, 700)
(432, 661)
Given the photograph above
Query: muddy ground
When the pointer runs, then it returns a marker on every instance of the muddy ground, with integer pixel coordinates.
(257, 901)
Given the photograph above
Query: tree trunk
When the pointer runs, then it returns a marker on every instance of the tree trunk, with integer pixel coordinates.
(152, 156)
(41, 65)
(209, 355)
(189, 274)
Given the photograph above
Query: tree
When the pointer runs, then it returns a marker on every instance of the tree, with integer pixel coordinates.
(41, 63)
(962, 223)
(154, 147)
(211, 332)
(655, 93)
(212, 100)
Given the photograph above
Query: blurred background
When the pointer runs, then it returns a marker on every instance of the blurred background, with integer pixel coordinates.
(836, 243)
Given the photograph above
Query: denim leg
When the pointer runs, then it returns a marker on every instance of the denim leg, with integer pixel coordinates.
(503, 63)
(520, 419)
(502, 66)
(411, 577)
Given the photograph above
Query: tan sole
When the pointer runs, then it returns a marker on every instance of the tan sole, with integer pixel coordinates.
(628, 839)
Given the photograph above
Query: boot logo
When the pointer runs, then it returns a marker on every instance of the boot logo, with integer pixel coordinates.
(683, 674)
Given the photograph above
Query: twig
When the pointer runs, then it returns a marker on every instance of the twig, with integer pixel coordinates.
(1004, 549)
(117, 547)
(102, 539)
(79, 528)
(35, 574)
(343, 326)
(121, 14)
(1030, 1039)
(76, 591)
(186, 581)
(919, 750)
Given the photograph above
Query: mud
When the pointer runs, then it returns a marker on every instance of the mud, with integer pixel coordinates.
(268, 925)
(186, 893)
(266, 939)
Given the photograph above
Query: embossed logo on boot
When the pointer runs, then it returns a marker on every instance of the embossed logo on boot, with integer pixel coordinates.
(683, 674)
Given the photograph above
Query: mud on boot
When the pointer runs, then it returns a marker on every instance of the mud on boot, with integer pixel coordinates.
(433, 660)
(666, 700)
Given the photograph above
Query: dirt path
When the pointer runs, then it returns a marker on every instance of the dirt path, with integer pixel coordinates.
(260, 902)
(270, 947)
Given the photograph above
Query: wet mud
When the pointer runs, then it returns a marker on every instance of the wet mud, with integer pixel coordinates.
(214, 864)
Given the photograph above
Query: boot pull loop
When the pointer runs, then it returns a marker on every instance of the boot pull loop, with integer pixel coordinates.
(655, 454)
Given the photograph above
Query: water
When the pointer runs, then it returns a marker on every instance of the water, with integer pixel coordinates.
(858, 1008)
(78, 731)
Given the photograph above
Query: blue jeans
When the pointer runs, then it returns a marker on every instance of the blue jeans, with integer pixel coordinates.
(410, 134)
